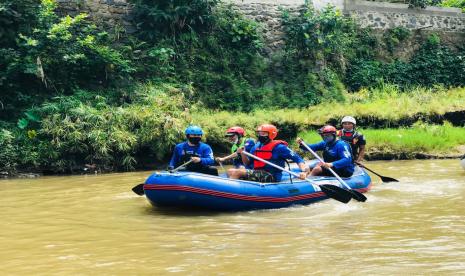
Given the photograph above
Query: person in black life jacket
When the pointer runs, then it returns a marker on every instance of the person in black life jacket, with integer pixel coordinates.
(337, 154)
(200, 153)
(356, 139)
(236, 137)
(274, 151)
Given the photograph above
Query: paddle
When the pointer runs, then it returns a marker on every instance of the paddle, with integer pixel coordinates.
(139, 188)
(383, 178)
(355, 194)
(221, 164)
(330, 191)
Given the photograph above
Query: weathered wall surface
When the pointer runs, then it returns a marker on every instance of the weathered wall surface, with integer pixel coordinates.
(377, 15)
(110, 12)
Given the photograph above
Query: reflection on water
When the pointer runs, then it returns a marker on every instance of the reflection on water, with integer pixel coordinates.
(96, 225)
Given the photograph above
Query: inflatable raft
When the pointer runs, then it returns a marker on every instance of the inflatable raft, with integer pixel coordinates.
(188, 189)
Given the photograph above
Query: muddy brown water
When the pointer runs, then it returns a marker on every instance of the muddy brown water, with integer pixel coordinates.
(94, 224)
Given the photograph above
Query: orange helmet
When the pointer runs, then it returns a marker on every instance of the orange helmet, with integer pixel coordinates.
(327, 129)
(235, 129)
(271, 129)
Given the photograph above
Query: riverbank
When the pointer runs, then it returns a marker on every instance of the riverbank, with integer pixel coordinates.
(68, 133)
(420, 141)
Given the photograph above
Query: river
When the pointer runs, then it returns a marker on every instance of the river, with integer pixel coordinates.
(95, 224)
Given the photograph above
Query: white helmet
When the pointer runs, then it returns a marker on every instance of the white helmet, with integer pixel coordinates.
(349, 119)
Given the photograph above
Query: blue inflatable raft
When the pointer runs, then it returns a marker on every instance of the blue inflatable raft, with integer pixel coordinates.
(188, 189)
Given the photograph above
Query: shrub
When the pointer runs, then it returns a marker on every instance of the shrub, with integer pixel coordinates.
(52, 55)
(170, 18)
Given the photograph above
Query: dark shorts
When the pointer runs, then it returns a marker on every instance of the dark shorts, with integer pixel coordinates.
(259, 176)
(341, 173)
(204, 169)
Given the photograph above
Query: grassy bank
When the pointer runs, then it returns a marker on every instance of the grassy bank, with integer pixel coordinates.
(416, 142)
(66, 133)
(374, 108)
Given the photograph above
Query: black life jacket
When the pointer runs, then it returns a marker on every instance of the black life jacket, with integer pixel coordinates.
(352, 139)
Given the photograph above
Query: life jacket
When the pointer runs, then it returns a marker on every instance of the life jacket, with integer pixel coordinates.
(352, 139)
(349, 137)
(265, 152)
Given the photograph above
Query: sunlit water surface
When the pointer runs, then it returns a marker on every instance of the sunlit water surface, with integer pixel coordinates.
(97, 225)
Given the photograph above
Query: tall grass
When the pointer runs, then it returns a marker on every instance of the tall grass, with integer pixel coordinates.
(391, 104)
(435, 140)
(91, 128)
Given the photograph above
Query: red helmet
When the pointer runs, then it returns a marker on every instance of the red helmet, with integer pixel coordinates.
(235, 129)
(271, 129)
(327, 129)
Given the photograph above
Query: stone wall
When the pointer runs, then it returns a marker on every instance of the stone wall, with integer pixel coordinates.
(268, 13)
(377, 15)
(108, 12)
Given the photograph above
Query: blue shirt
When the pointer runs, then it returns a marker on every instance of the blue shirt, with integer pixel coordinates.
(279, 155)
(204, 151)
(339, 153)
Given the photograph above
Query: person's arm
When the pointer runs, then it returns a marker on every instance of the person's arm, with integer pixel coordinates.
(361, 153)
(226, 158)
(206, 158)
(362, 142)
(244, 157)
(286, 153)
(314, 147)
(343, 151)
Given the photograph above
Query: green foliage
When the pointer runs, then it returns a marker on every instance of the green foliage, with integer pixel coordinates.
(84, 129)
(437, 64)
(454, 4)
(16, 17)
(393, 37)
(220, 62)
(422, 3)
(407, 142)
(8, 151)
(431, 65)
(169, 18)
(53, 55)
(323, 35)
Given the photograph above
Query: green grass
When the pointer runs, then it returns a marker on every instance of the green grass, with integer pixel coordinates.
(387, 104)
(434, 140)
(391, 104)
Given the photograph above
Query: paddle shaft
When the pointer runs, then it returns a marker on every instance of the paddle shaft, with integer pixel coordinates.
(221, 165)
(363, 166)
(331, 170)
(181, 166)
(383, 178)
(139, 188)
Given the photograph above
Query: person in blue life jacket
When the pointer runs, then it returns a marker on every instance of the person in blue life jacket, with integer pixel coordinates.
(337, 154)
(200, 153)
(274, 151)
(355, 139)
(235, 135)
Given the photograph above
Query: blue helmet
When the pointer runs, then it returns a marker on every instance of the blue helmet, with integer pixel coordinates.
(193, 130)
